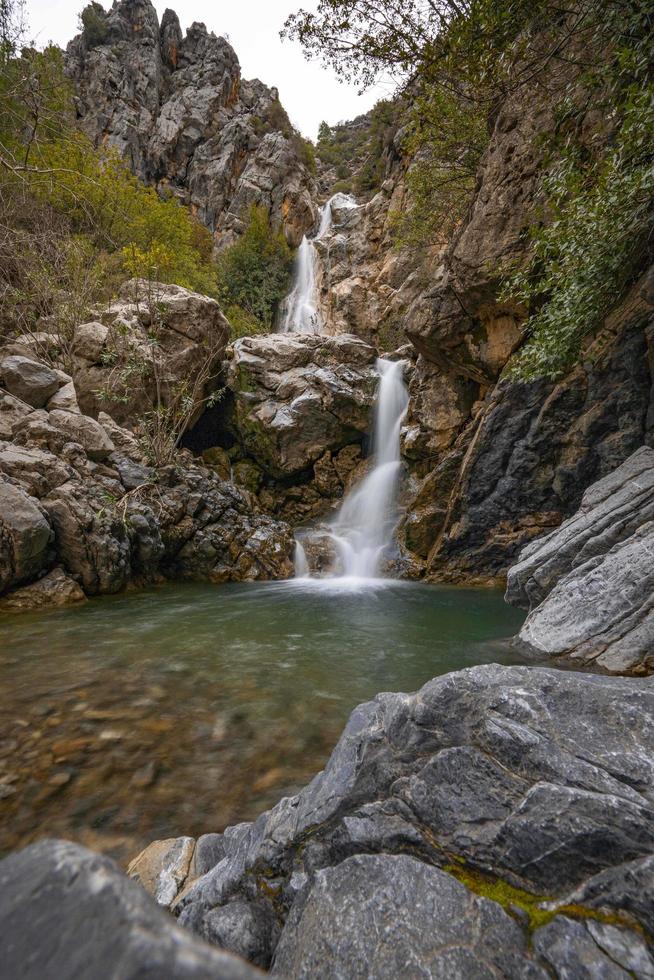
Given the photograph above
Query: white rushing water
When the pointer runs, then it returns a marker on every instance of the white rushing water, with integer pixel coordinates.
(363, 528)
(301, 308)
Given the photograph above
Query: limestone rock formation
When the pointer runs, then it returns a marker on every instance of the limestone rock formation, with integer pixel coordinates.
(76, 492)
(521, 463)
(72, 914)
(118, 369)
(530, 787)
(588, 584)
(387, 916)
(299, 396)
(175, 107)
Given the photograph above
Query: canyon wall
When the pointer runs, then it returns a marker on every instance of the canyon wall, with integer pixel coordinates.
(179, 113)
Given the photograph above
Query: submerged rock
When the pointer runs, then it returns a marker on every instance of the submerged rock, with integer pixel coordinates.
(589, 584)
(54, 589)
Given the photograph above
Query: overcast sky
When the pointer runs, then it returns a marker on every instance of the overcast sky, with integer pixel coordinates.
(308, 92)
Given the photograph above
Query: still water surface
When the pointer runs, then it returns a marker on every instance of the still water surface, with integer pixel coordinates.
(186, 708)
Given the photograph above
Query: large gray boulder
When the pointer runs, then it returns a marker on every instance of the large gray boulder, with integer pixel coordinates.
(118, 369)
(531, 786)
(71, 914)
(297, 396)
(380, 917)
(589, 584)
(28, 379)
(25, 536)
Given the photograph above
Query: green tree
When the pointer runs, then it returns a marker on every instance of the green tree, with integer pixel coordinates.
(254, 273)
(93, 24)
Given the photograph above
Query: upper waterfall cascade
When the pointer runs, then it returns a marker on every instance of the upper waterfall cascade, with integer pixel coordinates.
(363, 529)
(302, 308)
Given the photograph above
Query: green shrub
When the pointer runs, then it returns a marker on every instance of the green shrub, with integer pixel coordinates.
(94, 26)
(254, 273)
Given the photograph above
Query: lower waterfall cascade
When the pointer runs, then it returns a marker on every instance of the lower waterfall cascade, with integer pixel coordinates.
(363, 528)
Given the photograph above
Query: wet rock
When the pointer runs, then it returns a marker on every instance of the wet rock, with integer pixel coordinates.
(388, 916)
(54, 589)
(536, 778)
(162, 868)
(297, 396)
(589, 583)
(219, 461)
(71, 914)
(30, 380)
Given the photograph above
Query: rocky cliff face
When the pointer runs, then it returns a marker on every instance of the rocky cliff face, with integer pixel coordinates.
(177, 110)
(83, 513)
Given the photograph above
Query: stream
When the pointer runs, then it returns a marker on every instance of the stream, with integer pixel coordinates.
(186, 708)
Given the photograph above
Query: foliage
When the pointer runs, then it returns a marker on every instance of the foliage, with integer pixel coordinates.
(357, 149)
(599, 209)
(459, 62)
(275, 119)
(136, 366)
(254, 273)
(56, 188)
(93, 24)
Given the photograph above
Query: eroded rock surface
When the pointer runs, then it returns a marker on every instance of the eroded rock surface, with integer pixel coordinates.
(72, 914)
(118, 369)
(531, 786)
(588, 585)
(177, 110)
(299, 396)
(77, 492)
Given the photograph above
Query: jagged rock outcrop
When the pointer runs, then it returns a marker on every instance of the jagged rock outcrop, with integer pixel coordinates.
(293, 420)
(510, 809)
(365, 284)
(149, 341)
(77, 492)
(521, 465)
(175, 107)
(302, 406)
(73, 915)
(589, 584)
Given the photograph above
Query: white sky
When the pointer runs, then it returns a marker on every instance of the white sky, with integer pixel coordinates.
(308, 92)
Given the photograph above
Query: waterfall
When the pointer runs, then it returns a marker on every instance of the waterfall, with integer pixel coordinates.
(363, 528)
(301, 307)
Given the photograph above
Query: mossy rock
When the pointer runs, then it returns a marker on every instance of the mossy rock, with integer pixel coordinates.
(217, 460)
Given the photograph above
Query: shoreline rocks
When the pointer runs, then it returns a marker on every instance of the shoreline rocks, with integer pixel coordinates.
(75, 493)
(499, 821)
(588, 585)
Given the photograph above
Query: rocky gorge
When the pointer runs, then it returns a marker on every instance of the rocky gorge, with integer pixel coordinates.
(498, 822)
